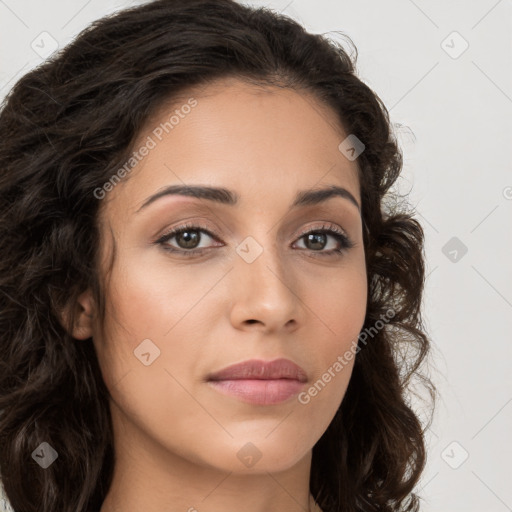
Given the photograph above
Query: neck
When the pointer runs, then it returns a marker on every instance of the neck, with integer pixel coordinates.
(149, 477)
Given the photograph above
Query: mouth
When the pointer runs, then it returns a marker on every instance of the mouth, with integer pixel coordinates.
(260, 382)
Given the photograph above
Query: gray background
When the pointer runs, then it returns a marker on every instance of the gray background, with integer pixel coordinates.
(453, 111)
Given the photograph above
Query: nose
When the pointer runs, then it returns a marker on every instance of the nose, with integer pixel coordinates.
(265, 294)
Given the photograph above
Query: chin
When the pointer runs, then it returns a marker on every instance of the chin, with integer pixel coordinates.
(254, 458)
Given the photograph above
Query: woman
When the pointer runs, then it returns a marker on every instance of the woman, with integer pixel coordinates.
(205, 290)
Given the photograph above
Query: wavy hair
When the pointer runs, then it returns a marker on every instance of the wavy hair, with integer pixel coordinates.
(65, 128)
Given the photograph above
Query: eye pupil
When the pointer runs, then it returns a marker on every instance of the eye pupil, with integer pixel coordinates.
(314, 238)
(190, 237)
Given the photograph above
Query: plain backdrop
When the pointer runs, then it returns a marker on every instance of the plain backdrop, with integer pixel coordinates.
(444, 71)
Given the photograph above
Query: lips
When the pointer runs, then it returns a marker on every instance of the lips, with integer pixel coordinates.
(260, 382)
(261, 370)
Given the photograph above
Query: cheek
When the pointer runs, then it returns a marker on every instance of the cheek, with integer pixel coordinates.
(149, 299)
(340, 308)
(157, 316)
(341, 305)
(150, 348)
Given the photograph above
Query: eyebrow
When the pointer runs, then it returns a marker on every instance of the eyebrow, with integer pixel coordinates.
(224, 196)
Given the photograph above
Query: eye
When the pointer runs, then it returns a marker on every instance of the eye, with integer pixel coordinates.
(317, 239)
(189, 237)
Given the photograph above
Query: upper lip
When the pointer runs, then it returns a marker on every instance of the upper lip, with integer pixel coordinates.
(259, 369)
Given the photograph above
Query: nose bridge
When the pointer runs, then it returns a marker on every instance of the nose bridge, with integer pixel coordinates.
(263, 282)
(262, 258)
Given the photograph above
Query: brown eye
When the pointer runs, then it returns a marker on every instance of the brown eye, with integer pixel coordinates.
(316, 241)
(187, 240)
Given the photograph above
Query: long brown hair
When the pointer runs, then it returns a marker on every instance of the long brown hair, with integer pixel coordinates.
(65, 128)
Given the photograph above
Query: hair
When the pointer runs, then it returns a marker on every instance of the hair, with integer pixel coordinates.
(65, 128)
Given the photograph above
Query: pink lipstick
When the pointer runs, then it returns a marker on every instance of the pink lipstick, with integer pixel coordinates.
(260, 382)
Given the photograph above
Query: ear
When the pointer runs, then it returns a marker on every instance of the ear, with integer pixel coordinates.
(84, 316)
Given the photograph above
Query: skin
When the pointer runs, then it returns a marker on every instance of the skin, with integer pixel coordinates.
(176, 438)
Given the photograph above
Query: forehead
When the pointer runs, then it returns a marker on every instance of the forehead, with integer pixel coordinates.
(261, 141)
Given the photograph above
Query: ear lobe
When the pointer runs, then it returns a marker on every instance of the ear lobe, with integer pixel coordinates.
(84, 317)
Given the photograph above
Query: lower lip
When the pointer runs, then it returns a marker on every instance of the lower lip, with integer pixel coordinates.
(259, 391)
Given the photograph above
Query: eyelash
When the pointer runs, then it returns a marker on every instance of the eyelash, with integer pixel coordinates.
(344, 241)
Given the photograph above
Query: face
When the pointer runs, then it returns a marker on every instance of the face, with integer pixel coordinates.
(250, 276)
